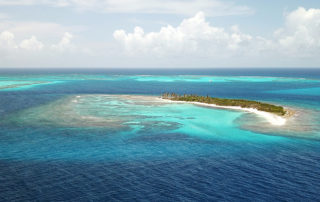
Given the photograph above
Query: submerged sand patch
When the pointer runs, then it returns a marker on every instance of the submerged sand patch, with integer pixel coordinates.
(19, 84)
(300, 123)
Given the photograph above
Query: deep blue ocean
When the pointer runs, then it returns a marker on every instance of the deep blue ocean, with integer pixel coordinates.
(101, 135)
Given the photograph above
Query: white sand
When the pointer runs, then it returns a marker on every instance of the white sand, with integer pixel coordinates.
(270, 117)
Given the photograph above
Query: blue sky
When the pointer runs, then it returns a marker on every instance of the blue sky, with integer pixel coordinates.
(154, 33)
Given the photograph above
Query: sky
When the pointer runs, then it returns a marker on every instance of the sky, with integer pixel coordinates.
(159, 33)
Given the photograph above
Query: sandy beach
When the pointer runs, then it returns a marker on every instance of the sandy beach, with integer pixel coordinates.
(273, 119)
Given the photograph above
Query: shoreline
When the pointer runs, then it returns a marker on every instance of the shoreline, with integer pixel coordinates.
(273, 119)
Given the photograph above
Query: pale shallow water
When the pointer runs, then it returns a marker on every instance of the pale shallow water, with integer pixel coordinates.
(78, 137)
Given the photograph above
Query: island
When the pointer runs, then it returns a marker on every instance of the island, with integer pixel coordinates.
(274, 114)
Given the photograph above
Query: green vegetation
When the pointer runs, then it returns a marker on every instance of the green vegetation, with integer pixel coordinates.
(279, 110)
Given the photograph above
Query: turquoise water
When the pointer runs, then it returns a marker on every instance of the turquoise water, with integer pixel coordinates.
(21, 81)
(102, 136)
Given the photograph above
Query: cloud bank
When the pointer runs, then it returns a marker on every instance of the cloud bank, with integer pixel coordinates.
(301, 34)
(184, 7)
(299, 37)
(9, 44)
(193, 35)
(194, 42)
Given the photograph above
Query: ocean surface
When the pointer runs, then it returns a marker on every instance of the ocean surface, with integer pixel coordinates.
(103, 135)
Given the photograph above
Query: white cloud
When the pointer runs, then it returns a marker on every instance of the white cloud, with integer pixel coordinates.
(34, 53)
(301, 34)
(65, 43)
(31, 44)
(7, 40)
(185, 7)
(8, 43)
(300, 37)
(193, 35)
